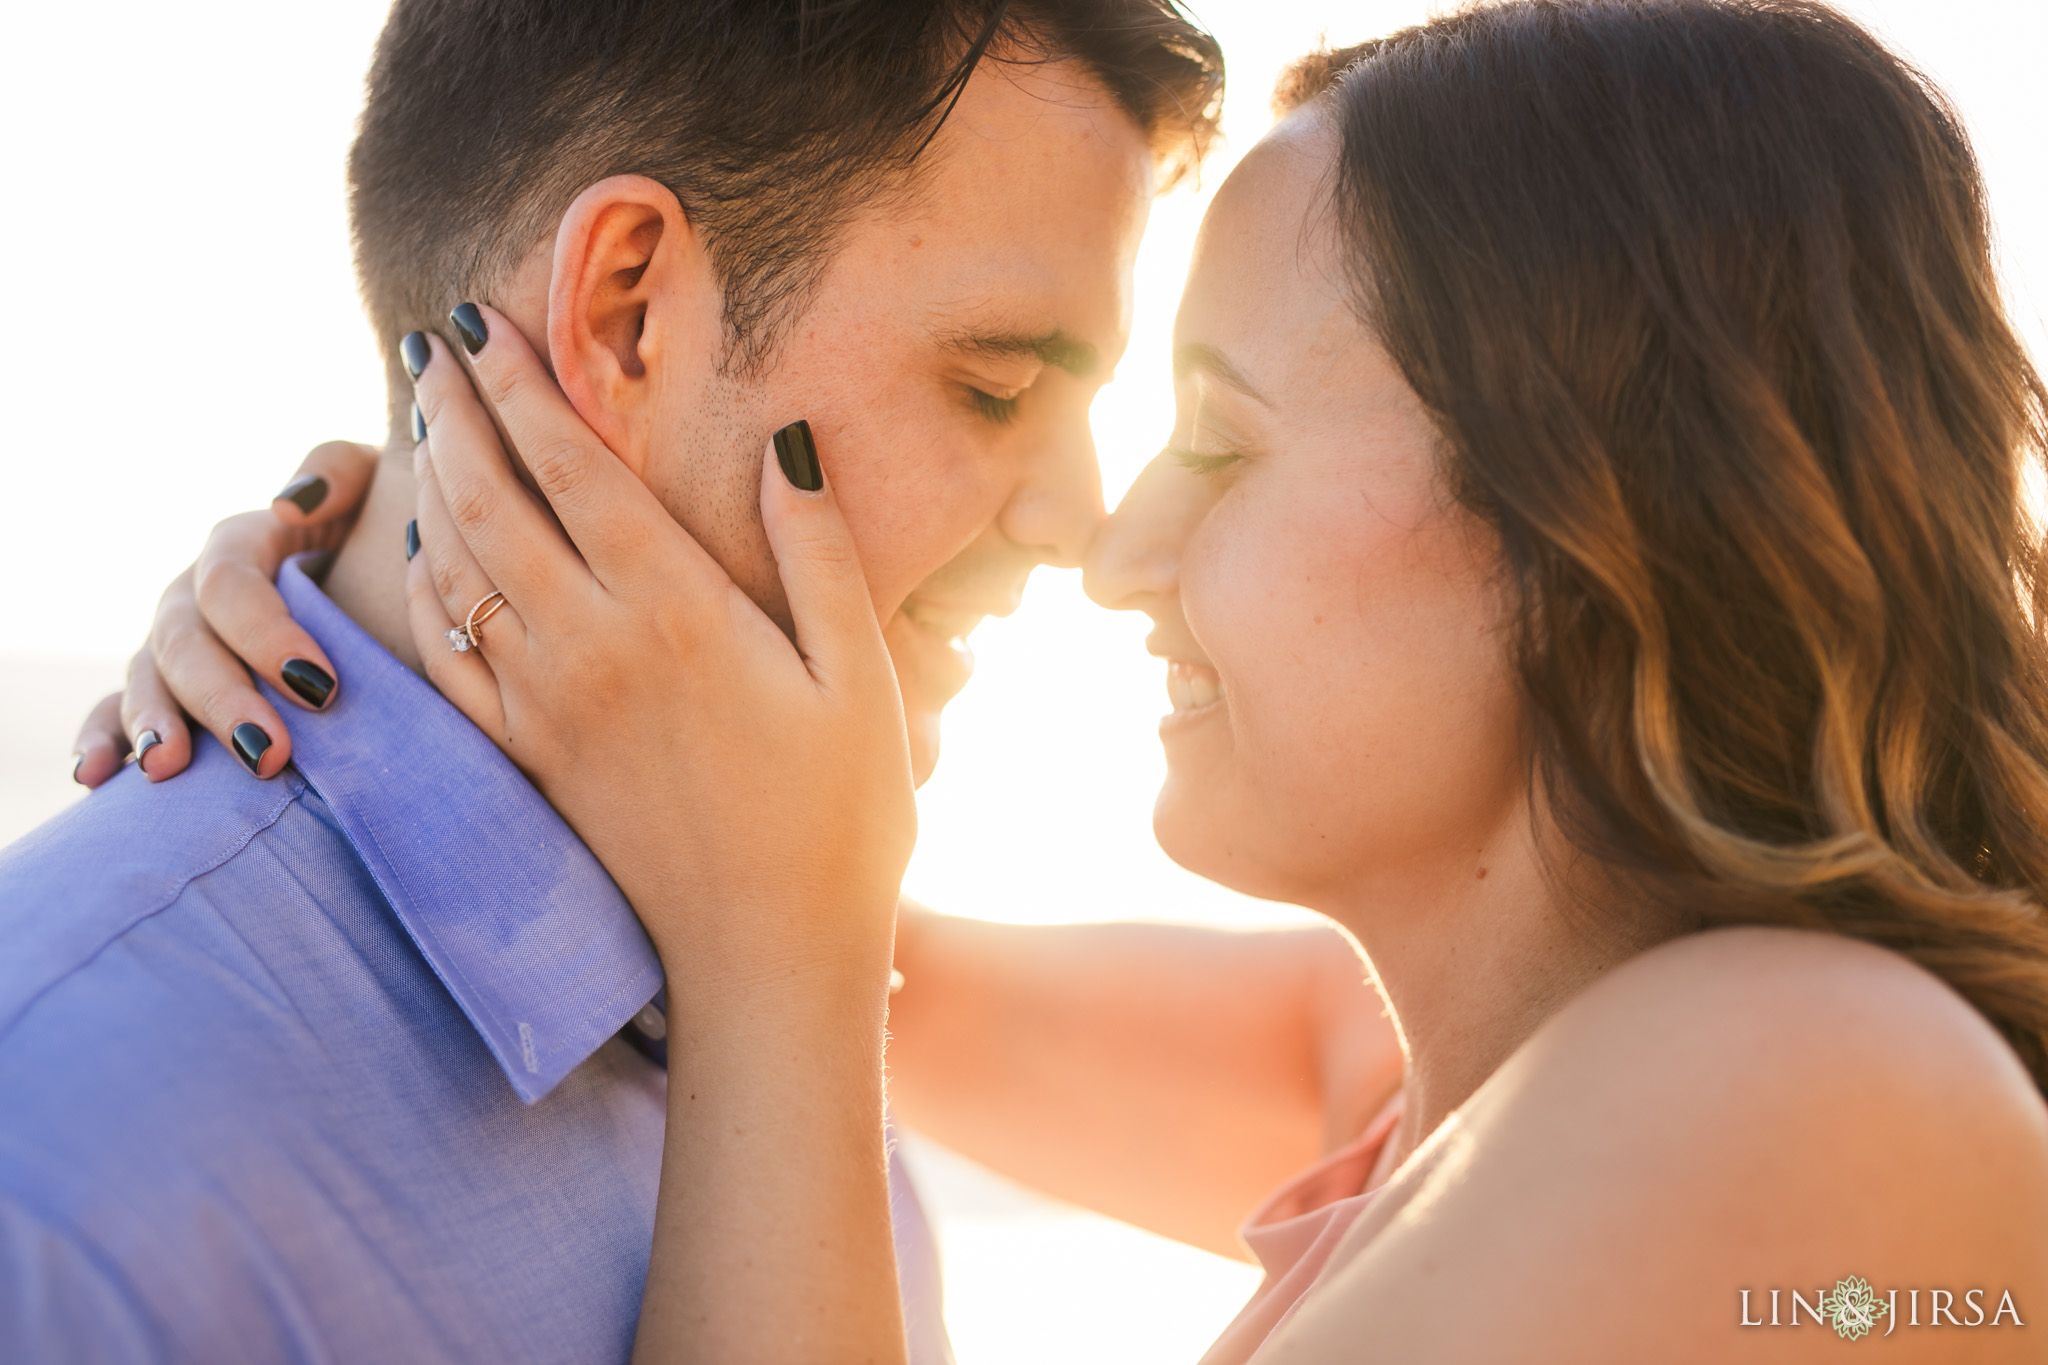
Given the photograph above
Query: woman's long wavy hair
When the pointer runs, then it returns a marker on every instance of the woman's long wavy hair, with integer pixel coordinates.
(1701, 295)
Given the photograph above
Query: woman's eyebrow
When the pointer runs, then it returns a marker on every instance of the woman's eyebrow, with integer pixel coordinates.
(1057, 348)
(1199, 355)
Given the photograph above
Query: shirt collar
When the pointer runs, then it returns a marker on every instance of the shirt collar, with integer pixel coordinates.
(516, 916)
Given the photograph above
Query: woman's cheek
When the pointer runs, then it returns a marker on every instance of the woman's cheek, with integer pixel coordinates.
(1242, 802)
(1354, 694)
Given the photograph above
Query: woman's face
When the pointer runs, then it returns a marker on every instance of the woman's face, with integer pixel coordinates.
(1345, 722)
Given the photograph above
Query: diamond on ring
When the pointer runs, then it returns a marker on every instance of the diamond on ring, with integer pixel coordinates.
(458, 640)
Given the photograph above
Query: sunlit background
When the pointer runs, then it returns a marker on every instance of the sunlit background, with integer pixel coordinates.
(182, 324)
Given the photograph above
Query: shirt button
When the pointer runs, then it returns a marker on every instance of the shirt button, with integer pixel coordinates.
(651, 1022)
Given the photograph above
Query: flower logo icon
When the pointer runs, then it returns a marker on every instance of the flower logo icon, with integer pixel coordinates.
(1853, 1308)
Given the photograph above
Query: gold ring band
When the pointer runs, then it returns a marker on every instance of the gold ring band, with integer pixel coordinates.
(469, 635)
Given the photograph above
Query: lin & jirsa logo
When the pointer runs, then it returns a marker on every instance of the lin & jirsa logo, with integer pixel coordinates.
(1854, 1309)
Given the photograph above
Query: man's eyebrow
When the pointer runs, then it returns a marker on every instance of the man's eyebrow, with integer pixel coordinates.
(1197, 355)
(1056, 348)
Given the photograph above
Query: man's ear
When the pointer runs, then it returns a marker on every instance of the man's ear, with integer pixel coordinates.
(631, 298)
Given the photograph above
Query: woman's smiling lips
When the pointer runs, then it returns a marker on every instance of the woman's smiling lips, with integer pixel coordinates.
(1196, 691)
(1191, 687)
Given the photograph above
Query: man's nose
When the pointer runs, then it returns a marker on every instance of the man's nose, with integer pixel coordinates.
(1134, 559)
(1057, 508)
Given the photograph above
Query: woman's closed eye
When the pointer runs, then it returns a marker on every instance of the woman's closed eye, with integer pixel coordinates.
(1204, 463)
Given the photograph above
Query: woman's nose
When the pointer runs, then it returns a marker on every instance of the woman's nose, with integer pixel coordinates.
(1134, 559)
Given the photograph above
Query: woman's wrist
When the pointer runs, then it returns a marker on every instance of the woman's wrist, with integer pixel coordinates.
(775, 1020)
(757, 952)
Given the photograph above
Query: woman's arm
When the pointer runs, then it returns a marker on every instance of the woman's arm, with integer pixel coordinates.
(1164, 1074)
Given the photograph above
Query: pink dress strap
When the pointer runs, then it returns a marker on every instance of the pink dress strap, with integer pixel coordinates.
(1296, 1229)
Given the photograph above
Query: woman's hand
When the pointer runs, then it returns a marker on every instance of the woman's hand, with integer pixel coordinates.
(750, 792)
(705, 755)
(225, 606)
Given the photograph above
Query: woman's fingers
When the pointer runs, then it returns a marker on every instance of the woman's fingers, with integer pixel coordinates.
(226, 605)
(329, 486)
(234, 588)
(152, 723)
(201, 674)
(459, 582)
(101, 744)
(464, 679)
(613, 520)
(829, 604)
(504, 526)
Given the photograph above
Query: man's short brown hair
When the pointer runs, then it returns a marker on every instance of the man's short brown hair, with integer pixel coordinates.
(772, 121)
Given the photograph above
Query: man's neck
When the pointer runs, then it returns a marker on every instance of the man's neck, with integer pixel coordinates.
(367, 579)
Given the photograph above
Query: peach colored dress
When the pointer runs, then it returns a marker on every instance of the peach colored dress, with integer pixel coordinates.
(1294, 1232)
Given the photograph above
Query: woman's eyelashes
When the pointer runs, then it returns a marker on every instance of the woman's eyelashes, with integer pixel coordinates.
(1199, 463)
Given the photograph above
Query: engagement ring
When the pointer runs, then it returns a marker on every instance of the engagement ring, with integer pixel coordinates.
(469, 635)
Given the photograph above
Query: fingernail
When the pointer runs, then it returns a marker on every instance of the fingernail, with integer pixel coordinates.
(415, 353)
(307, 491)
(412, 540)
(419, 425)
(77, 762)
(798, 456)
(250, 744)
(470, 324)
(144, 742)
(313, 683)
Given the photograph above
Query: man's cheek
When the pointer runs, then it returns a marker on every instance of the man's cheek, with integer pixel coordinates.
(916, 517)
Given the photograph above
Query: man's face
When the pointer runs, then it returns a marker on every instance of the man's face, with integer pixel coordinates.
(946, 367)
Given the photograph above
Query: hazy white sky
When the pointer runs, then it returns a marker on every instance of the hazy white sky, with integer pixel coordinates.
(184, 324)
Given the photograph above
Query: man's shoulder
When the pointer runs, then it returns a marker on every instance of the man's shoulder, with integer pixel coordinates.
(119, 859)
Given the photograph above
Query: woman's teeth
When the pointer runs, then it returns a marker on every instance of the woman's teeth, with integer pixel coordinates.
(1190, 686)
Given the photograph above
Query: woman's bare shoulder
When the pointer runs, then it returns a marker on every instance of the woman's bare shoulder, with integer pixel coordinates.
(1774, 1008)
(1745, 1109)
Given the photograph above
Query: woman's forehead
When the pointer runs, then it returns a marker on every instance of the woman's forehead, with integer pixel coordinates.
(1266, 274)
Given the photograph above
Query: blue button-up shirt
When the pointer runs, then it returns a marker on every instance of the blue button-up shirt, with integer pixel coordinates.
(255, 1046)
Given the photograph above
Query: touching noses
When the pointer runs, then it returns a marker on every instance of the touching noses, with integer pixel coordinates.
(1056, 509)
(1134, 561)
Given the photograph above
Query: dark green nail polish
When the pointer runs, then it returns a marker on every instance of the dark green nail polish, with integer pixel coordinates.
(313, 683)
(306, 492)
(415, 352)
(412, 540)
(250, 744)
(469, 324)
(798, 456)
(419, 425)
